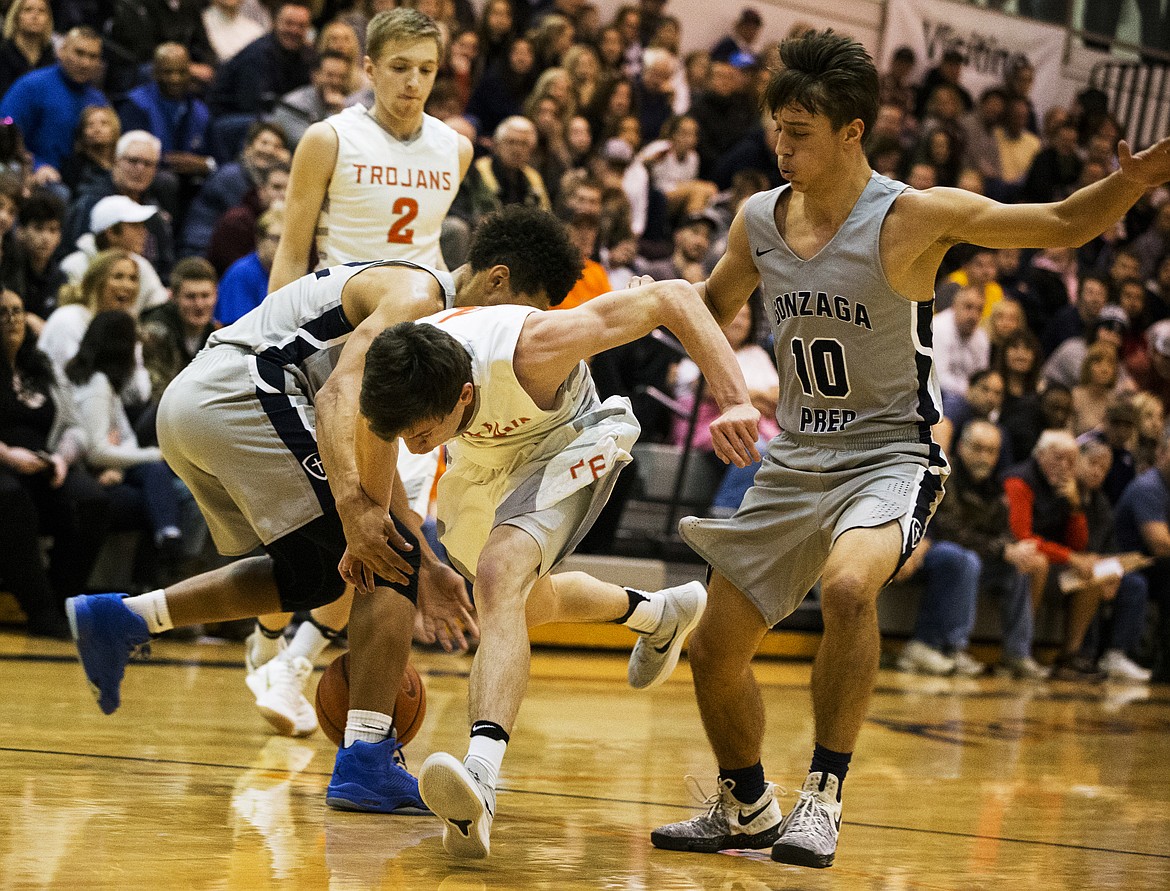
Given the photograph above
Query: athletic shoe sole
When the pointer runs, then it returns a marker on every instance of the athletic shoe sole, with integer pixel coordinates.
(352, 797)
(764, 839)
(797, 856)
(443, 784)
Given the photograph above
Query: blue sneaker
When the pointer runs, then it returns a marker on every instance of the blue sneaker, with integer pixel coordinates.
(373, 777)
(107, 634)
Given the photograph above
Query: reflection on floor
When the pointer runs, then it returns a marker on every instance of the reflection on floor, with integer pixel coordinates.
(957, 783)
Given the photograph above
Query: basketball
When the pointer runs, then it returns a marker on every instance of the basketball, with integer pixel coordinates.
(333, 701)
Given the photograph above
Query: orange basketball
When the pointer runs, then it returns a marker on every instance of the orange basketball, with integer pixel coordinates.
(333, 701)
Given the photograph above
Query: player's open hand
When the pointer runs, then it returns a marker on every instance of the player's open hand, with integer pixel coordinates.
(444, 608)
(734, 435)
(373, 546)
(1150, 167)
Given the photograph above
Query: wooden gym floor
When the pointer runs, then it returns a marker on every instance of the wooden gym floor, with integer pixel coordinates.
(957, 784)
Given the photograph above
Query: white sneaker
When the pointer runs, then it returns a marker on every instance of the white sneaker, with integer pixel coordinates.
(252, 660)
(729, 824)
(656, 654)
(1120, 667)
(464, 803)
(967, 665)
(808, 835)
(279, 686)
(1022, 668)
(919, 658)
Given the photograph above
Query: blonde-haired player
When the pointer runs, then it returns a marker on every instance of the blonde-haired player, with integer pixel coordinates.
(366, 184)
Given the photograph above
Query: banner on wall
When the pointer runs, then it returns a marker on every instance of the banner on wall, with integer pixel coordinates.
(988, 41)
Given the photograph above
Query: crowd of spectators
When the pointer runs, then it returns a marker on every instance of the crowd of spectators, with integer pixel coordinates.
(144, 156)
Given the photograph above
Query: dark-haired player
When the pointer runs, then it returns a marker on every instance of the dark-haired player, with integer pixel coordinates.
(534, 455)
(847, 260)
(263, 428)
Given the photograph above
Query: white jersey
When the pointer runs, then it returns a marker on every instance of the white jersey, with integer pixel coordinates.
(505, 420)
(387, 198)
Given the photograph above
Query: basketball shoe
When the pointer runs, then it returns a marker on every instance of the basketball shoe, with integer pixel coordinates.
(279, 688)
(808, 835)
(656, 654)
(252, 660)
(729, 824)
(466, 805)
(107, 635)
(373, 777)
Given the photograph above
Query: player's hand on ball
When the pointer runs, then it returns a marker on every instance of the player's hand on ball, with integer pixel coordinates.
(374, 546)
(444, 607)
(734, 435)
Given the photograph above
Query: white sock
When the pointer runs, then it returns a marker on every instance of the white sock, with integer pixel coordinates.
(308, 642)
(153, 608)
(647, 616)
(265, 648)
(484, 756)
(371, 727)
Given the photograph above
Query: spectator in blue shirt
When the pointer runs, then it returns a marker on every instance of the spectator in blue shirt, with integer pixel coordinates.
(245, 284)
(1142, 523)
(46, 104)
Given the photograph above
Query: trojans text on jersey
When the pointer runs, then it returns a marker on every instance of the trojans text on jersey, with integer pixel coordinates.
(404, 177)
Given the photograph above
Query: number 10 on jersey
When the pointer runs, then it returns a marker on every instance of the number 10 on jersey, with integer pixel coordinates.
(826, 358)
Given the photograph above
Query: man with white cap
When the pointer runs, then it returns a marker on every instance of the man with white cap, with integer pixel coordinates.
(118, 222)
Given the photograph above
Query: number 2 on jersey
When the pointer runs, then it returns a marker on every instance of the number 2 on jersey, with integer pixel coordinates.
(828, 367)
(399, 234)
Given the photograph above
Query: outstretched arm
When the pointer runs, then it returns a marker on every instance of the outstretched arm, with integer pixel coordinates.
(551, 345)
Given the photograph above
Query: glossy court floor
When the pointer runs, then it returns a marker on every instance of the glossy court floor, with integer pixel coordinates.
(956, 785)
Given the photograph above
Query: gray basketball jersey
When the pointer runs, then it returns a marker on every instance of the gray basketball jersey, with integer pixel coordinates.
(297, 332)
(855, 357)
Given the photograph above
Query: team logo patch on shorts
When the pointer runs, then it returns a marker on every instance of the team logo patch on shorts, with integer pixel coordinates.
(916, 531)
(314, 467)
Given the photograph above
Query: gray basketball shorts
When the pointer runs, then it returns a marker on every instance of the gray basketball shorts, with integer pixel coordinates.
(245, 444)
(774, 548)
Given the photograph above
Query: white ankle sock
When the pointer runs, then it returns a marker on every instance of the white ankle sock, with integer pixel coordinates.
(308, 642)
(265, 648)
(371, 727)
(484, 756)
(153, 608)
(647, 615)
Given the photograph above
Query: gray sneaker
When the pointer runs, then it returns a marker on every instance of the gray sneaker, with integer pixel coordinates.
(656, 654)
(462, 801)
(728, 824)
(808, 835)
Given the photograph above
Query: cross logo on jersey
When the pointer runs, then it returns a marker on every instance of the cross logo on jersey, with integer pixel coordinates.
(314, 467)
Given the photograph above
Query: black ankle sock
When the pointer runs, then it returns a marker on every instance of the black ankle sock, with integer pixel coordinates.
(635, 599)
(269, 633)
(491, 730)
(826, 761)
(749, 782)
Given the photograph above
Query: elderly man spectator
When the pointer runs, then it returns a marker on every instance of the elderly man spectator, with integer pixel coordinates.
(245, 285)
(46, 104)
(235, 233)
(1123, 594)
(1143, 524)
(1045, 506)
(970, 550)
(267, 68)
(135, 175)
(119, 222)
(504, 177)
(264, 146)
(961, 346)
(692, 241)
(324, 96)
(168, 107)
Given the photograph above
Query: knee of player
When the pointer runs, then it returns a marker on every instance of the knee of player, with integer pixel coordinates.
(713, 661)
(500, 588)
(847, 595)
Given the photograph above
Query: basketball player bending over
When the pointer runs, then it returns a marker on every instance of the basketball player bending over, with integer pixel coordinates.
(848, 260)
(261, 428)
(534, 456)
(366, 184)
